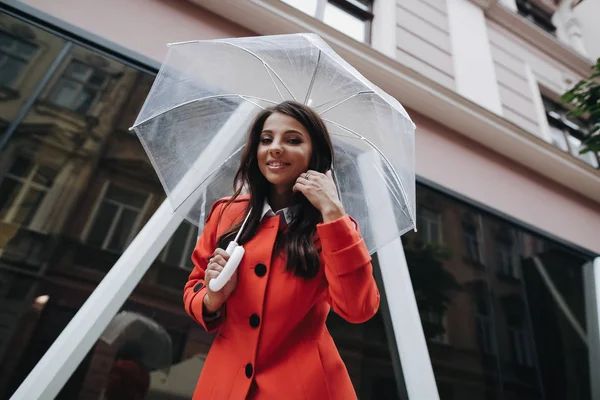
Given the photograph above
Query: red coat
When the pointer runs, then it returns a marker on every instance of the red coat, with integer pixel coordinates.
(272, 342)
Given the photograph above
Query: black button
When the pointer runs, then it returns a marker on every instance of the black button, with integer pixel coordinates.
(260, 270)
(198, 287)
(254, 320)
(249, 370)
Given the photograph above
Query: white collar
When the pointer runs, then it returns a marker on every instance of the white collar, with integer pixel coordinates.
(288, 212)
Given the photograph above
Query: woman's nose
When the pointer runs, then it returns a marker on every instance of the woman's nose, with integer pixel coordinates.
(275, 148)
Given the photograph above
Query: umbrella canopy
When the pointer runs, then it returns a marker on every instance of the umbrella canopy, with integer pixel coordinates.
(194, 123)
(139, 338)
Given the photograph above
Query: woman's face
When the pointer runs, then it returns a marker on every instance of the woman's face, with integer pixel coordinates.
(284, 150)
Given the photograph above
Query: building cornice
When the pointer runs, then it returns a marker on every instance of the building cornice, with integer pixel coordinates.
(416, 92)
(537, 37)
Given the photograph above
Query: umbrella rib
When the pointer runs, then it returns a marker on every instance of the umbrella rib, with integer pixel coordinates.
(267, 67)
(312, 81)
(253, 103)
(274, 84)
(345, 100)
(243, 97)
(378, 151)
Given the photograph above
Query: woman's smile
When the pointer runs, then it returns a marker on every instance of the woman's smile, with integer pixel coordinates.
(277, 165)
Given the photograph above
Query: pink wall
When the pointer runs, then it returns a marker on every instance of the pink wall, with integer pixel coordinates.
(464, 166)
(144, 26)
(443, 156)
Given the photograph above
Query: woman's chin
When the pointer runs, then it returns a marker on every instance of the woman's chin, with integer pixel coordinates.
(282, 184)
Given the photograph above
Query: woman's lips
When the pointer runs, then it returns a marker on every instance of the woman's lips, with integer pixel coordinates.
(277, 166)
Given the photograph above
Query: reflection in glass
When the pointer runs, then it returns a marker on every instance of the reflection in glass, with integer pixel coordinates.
(66, 151)
(78, 87)
(22, 190)
(179, 248)
(114, 224)
(495, 330)
(15, 54)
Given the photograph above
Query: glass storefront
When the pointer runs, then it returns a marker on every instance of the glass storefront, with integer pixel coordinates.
(502, 309)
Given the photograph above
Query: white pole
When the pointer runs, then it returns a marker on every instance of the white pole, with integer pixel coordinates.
(406, 321)
(591, 279)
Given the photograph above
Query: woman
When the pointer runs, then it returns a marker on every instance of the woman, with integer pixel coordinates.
(300, 261)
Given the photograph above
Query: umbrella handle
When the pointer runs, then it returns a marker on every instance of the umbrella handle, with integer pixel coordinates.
(230, 267)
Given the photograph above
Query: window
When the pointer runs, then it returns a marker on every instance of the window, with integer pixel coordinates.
(519, 346)
(429, 225)
(472, 242)
(22, 190)
(178, 250)
(506, 258)
(536, 14)
(438, 322)
(78, 87)
(483, 322)
(15, 54)
(352, 17)
(485, 333)
(117, 218)
(567, 132)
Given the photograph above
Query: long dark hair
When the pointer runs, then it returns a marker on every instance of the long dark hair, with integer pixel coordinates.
(302, 254)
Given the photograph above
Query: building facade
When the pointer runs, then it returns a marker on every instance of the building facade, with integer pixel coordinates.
(508, 210)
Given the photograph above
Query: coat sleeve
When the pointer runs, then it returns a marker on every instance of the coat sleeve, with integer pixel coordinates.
(348, 270)
(195, 288)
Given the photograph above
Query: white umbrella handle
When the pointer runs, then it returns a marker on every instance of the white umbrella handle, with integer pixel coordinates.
(235, 256)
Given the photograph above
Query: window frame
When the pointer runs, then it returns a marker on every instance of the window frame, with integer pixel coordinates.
(109, 235)
(188, 248)
(558, 121)
(485, 327)
(360, 9)
(476, 235)
(14, 85)
(62, 77)
(427, 228)
(532, 11)
(507, 247)
(521, 352)
(28, 184)
(433, 317)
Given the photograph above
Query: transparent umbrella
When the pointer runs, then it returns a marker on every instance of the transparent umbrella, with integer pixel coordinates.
(194, 123)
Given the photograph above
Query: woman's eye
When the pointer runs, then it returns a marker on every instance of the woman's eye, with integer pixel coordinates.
(265, 140)
(294, 141)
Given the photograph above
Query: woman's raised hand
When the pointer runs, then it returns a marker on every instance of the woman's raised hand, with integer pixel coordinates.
(321, 191)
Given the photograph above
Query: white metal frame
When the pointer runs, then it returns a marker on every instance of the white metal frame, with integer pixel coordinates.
(591, 279)
(406, 321)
